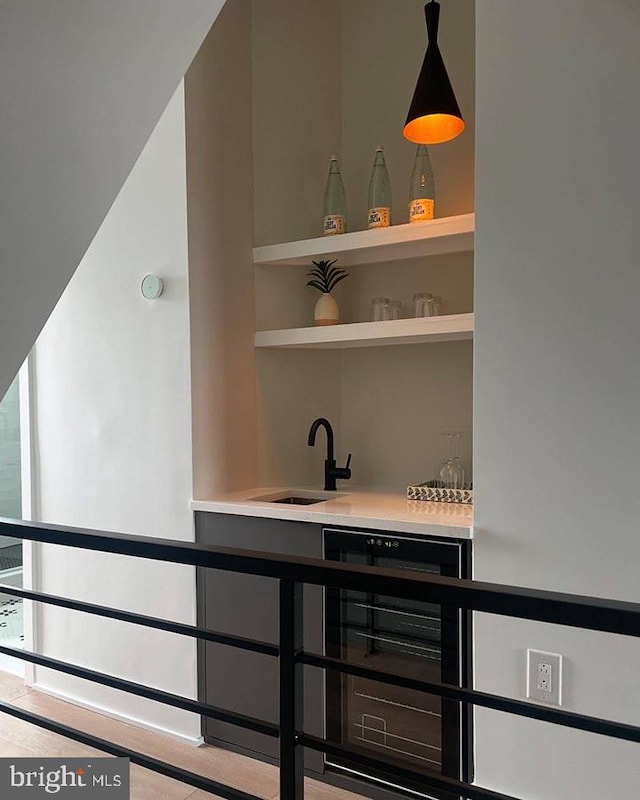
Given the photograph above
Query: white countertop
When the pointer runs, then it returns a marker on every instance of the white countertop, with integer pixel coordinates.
(378, 509)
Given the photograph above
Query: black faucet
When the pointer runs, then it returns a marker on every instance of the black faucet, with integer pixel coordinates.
(331, 472)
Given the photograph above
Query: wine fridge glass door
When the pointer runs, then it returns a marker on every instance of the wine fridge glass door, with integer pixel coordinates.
(405, 637)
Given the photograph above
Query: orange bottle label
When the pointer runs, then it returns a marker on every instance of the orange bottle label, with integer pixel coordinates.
(420, 210)
(333, 223)
(379, 217)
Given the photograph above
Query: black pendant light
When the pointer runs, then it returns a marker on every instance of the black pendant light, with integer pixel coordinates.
(434, 115)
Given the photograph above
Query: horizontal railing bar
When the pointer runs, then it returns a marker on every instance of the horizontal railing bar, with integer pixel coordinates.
(175, 700)
(413, 781)
(239, 642)
(142, 760)
(556, 716)
(612, 616)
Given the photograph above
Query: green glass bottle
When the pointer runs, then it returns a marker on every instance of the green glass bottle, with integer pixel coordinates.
(422, 192)
(335, 201)
(379, 215)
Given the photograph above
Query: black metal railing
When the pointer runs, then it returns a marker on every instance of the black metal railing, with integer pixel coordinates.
(293, 573)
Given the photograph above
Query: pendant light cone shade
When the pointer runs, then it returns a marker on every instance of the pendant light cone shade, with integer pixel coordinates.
(434, 115)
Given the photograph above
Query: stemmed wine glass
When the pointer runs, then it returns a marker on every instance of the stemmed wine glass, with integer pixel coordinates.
(452, 472)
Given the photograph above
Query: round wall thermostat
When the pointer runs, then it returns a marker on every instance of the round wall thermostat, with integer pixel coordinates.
(151, 287)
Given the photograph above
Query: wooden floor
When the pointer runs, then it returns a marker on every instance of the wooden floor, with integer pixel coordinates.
(18, 738)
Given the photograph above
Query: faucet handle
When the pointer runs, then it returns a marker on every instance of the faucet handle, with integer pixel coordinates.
(343, 473)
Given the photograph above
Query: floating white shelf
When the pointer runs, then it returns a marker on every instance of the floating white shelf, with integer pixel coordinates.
(446, 328)
(435, 237)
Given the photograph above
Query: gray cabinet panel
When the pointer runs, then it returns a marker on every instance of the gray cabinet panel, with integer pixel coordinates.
(247, 605)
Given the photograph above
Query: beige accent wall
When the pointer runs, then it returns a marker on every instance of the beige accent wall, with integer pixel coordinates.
(296, 127)
(338, 77)
(294, 388)
(384, 42)
(396, 402)
(297, 113)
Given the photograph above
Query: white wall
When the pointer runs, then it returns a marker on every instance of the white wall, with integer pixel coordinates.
(557, 372)
(219, 180)
(114, 433)
(82, 84)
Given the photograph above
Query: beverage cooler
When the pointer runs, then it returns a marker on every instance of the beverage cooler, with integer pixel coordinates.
(422, 640)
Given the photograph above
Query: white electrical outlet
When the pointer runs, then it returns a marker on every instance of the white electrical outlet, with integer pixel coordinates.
(544, 677)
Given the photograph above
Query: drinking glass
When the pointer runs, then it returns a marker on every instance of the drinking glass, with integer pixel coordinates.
(395, 309)
(452, 472)
(379, 309)
(436, 305)
(422, 304)
(457, 464)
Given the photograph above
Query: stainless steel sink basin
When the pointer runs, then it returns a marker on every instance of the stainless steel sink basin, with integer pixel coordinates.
(298, 497)
(298, 501)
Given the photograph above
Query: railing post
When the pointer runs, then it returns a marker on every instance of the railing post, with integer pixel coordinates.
(291, 691)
